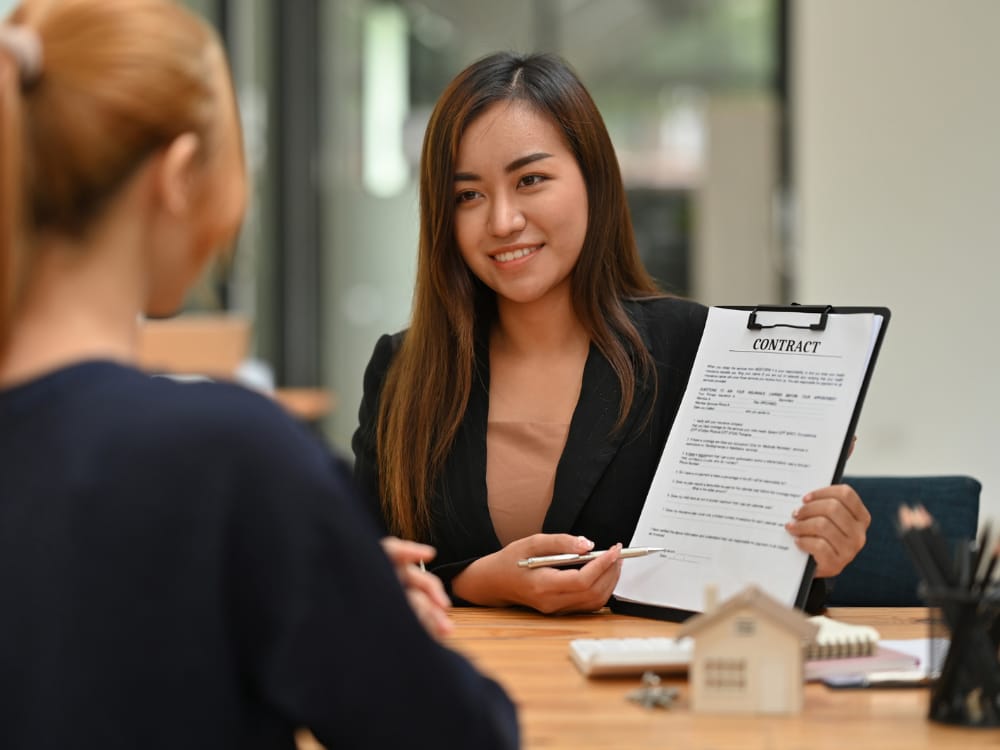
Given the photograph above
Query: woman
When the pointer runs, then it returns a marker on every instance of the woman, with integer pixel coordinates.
(182, 565)
(524, 411)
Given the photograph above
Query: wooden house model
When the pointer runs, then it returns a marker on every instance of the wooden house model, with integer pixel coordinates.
(748, 655)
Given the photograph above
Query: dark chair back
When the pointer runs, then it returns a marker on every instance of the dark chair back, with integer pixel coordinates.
(882, 574)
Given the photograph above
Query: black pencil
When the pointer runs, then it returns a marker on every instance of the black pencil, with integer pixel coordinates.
(982, 545)
(911, 533)
(936, 545)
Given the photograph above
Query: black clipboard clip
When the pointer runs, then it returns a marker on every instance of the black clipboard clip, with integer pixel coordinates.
(822, 310)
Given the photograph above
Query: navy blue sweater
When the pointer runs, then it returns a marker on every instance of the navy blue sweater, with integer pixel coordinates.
(184, 566)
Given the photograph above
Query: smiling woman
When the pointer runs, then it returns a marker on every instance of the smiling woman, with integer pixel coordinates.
(511, 140)
(521, 214)
(524, 411)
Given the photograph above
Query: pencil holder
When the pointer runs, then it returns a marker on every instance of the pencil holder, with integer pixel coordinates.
(967, 689)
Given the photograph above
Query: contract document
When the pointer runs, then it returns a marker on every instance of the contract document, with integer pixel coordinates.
(768, 415)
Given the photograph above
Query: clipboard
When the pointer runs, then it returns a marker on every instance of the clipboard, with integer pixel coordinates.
(794, 316)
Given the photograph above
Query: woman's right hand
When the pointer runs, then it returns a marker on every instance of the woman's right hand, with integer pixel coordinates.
(496, 580)
(424, 590)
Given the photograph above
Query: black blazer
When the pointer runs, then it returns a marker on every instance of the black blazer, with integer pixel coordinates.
(603, 475)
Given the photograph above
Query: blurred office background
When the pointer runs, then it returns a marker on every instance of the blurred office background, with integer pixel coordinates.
(821, 151)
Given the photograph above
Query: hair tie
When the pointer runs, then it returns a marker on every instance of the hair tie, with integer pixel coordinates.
(25, 46)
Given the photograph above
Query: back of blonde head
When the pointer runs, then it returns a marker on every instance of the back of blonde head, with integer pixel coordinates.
(118, 79)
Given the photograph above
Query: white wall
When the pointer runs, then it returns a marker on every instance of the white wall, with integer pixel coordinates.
(896, 107)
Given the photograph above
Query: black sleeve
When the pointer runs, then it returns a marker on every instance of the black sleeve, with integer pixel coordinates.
(363, 442)
(816, 599)
(325, 632)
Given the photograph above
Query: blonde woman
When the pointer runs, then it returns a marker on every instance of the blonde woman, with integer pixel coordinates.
(181, 565)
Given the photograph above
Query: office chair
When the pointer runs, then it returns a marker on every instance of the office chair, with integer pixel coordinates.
(882, 574)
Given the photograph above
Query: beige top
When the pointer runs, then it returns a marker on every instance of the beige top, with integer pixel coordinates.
(521, 461)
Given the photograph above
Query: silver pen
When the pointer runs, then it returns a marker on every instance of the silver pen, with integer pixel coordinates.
(554, 561)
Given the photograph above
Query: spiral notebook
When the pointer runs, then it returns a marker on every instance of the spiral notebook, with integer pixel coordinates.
(840, 648)
(839, 640)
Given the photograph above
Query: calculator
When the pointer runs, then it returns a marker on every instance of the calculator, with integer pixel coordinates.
(598, 657)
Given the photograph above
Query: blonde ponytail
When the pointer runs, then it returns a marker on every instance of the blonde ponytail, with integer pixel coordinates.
(88, 90)
(12, 224)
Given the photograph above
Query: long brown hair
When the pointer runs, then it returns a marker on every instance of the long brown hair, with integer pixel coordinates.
(427, 388)
(118, 79)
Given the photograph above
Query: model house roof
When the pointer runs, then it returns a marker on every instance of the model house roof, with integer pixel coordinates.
(762, 604)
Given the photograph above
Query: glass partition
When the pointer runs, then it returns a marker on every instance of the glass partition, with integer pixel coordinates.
(654, 67)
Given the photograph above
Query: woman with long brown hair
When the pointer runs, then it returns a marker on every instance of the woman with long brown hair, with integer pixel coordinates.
(524, 410)
(181, 565)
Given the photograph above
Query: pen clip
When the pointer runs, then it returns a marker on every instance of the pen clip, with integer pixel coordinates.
(551, 560)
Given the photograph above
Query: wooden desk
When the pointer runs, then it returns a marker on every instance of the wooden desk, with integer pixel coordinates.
(559, 708)
(214, 345)
(308, 404)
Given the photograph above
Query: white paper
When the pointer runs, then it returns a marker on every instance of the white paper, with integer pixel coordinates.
(929, 652)
(762, 422)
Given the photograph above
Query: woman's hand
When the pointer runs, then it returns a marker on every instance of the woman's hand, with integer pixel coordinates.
(424, 590)
(831, 525)
(497, 581)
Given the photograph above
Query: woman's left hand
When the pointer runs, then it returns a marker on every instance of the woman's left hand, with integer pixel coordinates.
(831, 525)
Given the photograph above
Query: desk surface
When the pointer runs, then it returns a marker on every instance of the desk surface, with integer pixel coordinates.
(560, 709)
